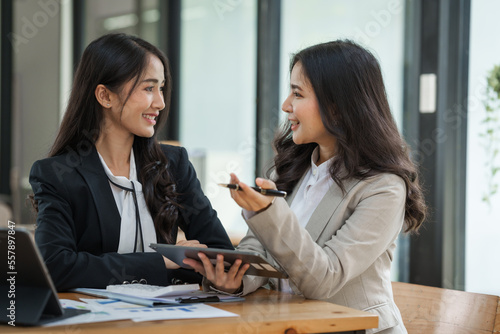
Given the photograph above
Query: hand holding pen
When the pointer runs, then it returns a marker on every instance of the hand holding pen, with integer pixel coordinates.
(252, 199)
(266, 192)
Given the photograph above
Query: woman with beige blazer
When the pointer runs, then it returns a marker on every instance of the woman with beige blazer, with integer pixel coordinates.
(353, 189)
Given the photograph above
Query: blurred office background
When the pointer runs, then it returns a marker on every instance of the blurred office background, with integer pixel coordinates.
(230, 63)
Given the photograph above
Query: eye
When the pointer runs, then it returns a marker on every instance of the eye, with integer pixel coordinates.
(162, 88)
(150, 88)
(296, 94)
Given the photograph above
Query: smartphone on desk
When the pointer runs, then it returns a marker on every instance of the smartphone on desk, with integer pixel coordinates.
(259, 266)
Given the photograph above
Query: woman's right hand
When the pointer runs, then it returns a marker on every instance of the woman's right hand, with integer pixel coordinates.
(229, 281)
(248, 198)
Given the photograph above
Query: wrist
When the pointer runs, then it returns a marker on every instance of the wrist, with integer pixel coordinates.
(266, 207)
(238, 292)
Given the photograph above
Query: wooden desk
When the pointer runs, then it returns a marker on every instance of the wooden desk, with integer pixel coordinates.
(263, 311)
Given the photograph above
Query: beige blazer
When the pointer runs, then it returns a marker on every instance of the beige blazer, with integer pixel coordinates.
(345, 252)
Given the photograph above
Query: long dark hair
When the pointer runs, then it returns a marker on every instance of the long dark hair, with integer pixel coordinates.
(348, 84)
(113, 60)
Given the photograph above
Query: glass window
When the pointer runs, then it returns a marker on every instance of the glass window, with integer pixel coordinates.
(140, 18)
(483, 211)
(217, 97)
(376, 25)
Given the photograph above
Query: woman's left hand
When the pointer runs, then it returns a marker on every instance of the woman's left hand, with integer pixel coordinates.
(248, 198)
(189, 243)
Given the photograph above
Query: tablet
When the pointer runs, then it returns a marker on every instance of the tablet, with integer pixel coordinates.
(28, 295)
(258, 264)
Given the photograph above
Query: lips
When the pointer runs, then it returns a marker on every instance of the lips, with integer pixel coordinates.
(294, 124)
(151, 118)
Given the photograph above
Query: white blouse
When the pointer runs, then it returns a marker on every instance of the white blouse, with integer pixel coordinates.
(313, 188)
(130, 238)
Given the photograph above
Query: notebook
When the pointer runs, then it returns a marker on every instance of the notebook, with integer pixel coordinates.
(28, 293)
(152, 291)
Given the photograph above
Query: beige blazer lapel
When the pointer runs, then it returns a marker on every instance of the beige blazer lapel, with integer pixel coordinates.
(289, 198)
(325, 210)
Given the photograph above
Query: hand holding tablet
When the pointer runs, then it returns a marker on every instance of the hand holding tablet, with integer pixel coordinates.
(258, 264)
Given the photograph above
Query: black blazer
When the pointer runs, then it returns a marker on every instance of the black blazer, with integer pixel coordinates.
(78, 223)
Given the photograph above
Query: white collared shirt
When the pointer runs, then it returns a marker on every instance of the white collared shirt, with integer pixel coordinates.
(126, 207)
(313, 188)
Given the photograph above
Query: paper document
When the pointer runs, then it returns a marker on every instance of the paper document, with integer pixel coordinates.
(180, 312)
(109, 310)
(195, 296)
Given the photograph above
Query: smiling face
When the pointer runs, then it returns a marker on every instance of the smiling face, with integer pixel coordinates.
(138, 115)
(303, 113)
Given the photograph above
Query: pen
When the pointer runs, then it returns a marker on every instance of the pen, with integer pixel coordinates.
(190, 300)
(267, 192)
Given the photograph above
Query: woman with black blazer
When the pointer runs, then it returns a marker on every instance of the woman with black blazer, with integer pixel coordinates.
(108, 188)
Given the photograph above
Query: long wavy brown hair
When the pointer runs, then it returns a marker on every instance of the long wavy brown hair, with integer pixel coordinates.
(113, 60)
(348, 84)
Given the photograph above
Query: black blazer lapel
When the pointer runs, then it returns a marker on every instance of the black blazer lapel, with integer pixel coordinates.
(109, 218)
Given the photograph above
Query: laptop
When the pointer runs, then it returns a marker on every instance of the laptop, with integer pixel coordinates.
(28, 295)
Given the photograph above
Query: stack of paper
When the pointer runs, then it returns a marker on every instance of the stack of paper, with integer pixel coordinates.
(111, 309)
